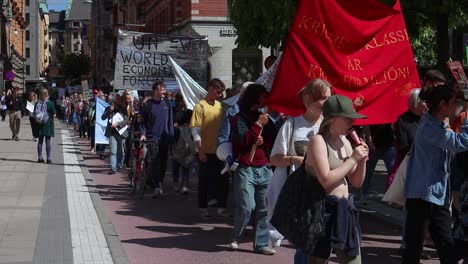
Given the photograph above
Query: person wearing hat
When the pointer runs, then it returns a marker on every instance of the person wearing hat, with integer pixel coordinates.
(335, 164)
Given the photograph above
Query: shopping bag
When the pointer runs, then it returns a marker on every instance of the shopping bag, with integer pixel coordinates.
(395, 193)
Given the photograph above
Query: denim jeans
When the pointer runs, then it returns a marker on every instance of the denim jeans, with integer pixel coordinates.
(116, 145)
(387, 155)
(250, 185)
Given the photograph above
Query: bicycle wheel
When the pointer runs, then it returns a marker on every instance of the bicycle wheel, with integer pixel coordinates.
(141, 184)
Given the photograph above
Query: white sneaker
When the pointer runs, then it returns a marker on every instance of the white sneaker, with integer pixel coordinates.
(185, 190)
(212, 202)
(204, 214)
(222, 213)
(234, 245)
(276, 238)
(158, 192)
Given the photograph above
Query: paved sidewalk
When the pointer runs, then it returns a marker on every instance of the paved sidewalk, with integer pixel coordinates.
(21, 195)
(46, 210)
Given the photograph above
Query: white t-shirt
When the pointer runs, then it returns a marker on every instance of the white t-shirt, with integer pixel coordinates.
(303, 131)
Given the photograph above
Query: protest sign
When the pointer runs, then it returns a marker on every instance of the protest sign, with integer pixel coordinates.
(143, 58)
(101, 124)
(458, 73)
(364, 54)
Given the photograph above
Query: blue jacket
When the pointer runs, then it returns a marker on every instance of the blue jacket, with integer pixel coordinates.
(429, 162)
(225, 130)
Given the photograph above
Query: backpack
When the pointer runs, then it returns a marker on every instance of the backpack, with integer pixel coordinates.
(184, 149)
(41, 116)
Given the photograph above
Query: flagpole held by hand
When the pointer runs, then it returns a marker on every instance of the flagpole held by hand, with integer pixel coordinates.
(262, 121)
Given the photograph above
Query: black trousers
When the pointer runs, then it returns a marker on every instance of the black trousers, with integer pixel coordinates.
(156, 154)
(420, 213)
(211, 184)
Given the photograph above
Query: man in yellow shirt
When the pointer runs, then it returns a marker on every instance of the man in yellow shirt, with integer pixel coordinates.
(205, 123)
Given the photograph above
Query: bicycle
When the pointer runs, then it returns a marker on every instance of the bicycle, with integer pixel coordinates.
(139, 171)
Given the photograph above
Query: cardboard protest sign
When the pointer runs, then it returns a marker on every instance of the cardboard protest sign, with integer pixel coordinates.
(143, 58)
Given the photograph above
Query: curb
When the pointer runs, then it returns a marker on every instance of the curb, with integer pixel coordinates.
(115, 245)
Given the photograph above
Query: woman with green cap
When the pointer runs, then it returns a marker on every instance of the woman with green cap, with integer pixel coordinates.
(335, 164)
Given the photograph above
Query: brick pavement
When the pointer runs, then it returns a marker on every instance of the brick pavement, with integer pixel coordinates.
(169, 230)
(40, 216)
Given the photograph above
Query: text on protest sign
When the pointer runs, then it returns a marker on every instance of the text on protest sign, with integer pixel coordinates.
(143, 58)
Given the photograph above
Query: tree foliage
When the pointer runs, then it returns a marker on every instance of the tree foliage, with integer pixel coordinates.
(266, 23)
(262, 22)
(76, 65)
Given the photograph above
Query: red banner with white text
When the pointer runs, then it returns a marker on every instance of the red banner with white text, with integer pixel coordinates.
(360, 47)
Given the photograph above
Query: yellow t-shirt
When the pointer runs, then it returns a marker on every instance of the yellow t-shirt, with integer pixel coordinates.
(208, 118)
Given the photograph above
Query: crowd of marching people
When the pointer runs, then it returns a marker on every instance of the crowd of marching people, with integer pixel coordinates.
(295, 178)
(292, 173)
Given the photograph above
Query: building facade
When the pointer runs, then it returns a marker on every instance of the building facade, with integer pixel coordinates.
(103, 39)
(56, 46)
(77, 20)
(177, 17)
(207, 18)
(36, 43)
(13, 42)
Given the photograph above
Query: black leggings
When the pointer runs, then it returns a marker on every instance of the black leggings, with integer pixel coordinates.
(211, 184)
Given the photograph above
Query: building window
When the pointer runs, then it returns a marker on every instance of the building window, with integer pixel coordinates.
(76, 47)
(27, 18)
(27, 3)
(27, 35)
(28, 52)
(76, 24)
(28, 70)
(75, 35)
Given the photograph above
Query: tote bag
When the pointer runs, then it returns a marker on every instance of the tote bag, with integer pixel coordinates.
(395, 193)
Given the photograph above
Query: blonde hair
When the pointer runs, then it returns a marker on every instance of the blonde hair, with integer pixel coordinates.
(314, 89)
(44, 94)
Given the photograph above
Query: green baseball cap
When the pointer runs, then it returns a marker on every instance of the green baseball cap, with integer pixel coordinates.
(339, 105)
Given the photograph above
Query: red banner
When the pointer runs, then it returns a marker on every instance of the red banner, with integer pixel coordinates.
(360, 47)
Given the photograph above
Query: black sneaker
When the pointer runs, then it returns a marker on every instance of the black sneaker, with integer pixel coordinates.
(111, 172)
(40, 161)
(49, 161)
(16, 139)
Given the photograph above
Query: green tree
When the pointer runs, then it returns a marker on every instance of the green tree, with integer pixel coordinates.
(266, 23)
(429, 22)
(75, 66)
(262, 22)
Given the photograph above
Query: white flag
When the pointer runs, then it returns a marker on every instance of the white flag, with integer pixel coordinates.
(190, 89)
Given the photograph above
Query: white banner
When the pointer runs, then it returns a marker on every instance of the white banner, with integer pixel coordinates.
(191, 91)
(100, 128)
(143, 58)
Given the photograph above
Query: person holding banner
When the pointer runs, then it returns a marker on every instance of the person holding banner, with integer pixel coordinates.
(252, 135)
(158, 127)
(116, 132)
